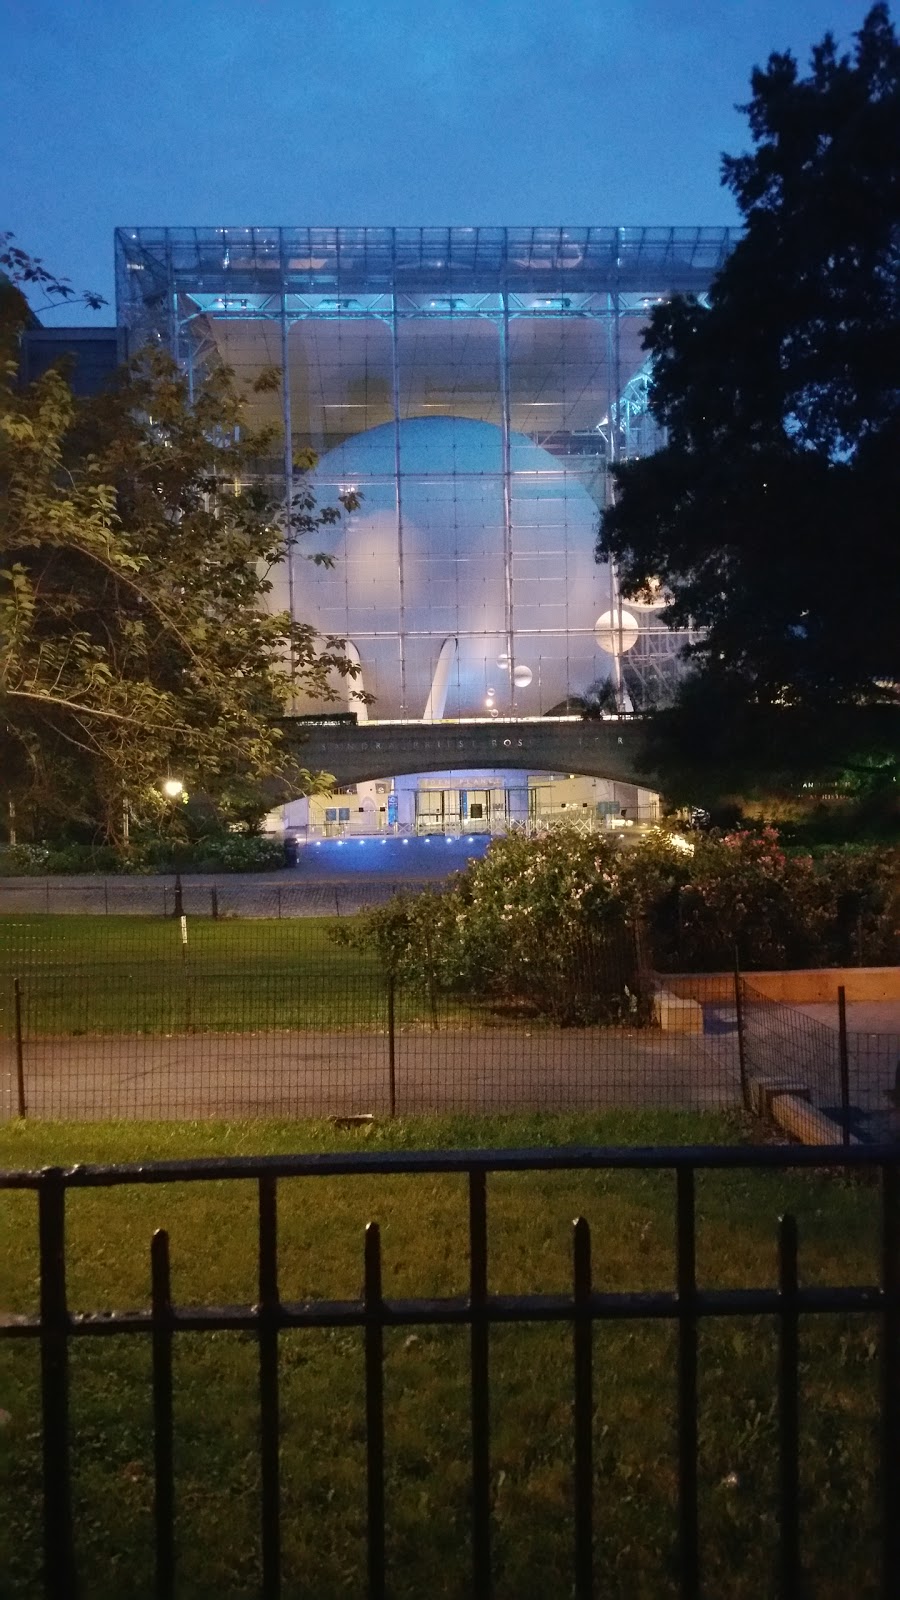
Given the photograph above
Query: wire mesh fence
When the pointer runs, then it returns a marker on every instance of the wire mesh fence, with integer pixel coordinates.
(781, 1042)
(197, 896)
(155, 1018)
(851, 1075)
(875, 1069)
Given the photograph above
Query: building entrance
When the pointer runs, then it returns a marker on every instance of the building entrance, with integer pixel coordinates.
(457, 810)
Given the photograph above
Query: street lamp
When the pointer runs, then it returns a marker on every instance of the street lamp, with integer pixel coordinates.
(173, 789)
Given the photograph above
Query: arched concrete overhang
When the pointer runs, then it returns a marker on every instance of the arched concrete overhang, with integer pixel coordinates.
(611, 748)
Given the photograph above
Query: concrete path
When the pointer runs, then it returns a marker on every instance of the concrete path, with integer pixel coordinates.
(322, 1074)
(801, 1041)
(863, 1016)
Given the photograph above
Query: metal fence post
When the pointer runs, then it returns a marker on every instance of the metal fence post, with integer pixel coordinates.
(392, 1058)
(583, 1410)
(686, 1274)
(20, 1052)
(845, 1064)
(214, 903)
(163, 1470)
(374, 1357)
(59, 1557)
(479, 1388)
(269, 1412)
(789, 1568)
(890, 1378)
(739, 1014)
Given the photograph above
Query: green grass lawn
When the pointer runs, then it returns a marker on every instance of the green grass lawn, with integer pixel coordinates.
(132, 975)
(87, 976)
(424, 1233)
(33, 942)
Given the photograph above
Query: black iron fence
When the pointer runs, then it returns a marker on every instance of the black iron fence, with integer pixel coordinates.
(584, 1308)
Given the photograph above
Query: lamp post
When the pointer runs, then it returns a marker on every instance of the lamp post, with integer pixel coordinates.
(173, 789)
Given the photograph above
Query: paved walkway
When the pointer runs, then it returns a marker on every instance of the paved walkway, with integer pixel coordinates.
(802, 1041)
(863, 1016)
(321, 1074)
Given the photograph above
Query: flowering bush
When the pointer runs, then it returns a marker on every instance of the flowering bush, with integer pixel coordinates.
(744, 895)
(541, 922)
(568, 924)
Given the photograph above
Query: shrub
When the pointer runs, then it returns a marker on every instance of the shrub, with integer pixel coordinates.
(863, 887)
(230, 852)
(744, 894)
(536, 922)
(36, 860)
(567, 923)
(240, 852)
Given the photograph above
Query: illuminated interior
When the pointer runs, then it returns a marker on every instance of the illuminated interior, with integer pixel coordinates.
(472, 385)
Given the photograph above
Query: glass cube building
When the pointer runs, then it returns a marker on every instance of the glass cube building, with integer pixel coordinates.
(472, 386)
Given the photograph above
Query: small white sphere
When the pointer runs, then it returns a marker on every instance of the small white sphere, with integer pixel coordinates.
(522, 677)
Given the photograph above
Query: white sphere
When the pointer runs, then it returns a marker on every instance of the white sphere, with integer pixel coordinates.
(408, 580)
(522, 677)
(616, 630)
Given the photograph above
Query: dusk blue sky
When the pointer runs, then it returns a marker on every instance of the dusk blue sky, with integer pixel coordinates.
(392, 111)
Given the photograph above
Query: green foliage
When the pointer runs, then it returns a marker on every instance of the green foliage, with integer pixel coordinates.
(770, 513)
(219, 852)
(565, 923)
(745, 894)
(237, 852)
(19, 267)
(536, 923)
(37, 860)
(137, 547)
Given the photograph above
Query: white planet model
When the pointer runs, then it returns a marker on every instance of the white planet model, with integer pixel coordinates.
(449, 600)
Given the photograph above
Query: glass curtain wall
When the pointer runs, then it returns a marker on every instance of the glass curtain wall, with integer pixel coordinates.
(472, 387)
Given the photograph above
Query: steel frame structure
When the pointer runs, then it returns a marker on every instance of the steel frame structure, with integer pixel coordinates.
(176, 285)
